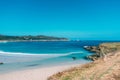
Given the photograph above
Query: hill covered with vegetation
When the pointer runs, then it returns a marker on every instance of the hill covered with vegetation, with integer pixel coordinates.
(31, 38)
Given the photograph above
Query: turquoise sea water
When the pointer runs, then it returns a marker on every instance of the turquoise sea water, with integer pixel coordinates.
(25, 55)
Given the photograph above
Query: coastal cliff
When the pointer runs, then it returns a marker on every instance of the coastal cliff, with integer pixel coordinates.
(106, 65)
(102, 50)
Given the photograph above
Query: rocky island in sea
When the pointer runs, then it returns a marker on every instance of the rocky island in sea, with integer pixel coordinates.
(31, 38)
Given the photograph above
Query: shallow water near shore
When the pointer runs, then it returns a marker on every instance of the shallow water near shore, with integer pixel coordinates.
(27, 55)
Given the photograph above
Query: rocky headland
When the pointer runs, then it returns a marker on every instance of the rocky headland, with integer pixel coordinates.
(102, 50)
(105, 65)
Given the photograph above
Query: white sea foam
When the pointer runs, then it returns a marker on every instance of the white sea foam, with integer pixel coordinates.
(3, 41)
(9, 57)
(33, 54)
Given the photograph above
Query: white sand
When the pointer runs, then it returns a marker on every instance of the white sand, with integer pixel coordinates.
(35, 74)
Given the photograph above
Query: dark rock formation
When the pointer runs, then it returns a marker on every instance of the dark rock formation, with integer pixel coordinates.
(74, 58)
(1, 63)
(102, 50)
(92, 48)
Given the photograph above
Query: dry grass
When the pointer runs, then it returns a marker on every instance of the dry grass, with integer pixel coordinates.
(97, 70)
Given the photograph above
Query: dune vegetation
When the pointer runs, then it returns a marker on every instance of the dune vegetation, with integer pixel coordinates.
(105, 67)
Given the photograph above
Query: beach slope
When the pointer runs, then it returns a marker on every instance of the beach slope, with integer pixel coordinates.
(35, 74)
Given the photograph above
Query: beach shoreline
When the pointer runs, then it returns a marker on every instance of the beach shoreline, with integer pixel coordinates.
(37, 73)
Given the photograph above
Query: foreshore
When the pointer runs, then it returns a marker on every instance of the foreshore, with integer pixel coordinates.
(35, 74)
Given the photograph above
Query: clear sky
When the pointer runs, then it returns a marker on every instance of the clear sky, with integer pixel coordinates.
(84, 19)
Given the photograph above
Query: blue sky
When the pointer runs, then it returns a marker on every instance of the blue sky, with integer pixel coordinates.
(84, 19)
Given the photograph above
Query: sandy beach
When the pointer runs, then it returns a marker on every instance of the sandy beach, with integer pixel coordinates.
(35, 74)
(39, 60)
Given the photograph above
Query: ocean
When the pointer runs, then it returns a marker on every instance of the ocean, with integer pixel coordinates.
(27, 55)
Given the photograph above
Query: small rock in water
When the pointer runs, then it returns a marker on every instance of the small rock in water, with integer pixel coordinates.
(74, 58)
(33, 65)
(1, 63)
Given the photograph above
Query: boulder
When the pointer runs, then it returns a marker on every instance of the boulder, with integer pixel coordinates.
(1, 63)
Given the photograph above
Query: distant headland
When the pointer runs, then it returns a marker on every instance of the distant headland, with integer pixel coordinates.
(31, 38)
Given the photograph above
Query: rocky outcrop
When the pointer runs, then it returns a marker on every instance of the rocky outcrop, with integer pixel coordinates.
(102, 50)
(1, 63)
(98, 69)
